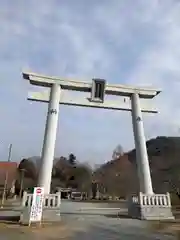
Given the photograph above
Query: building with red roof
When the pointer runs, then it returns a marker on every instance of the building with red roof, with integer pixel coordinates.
(8, 170)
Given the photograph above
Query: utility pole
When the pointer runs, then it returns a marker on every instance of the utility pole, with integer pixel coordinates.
(6, 177)
(9, 152)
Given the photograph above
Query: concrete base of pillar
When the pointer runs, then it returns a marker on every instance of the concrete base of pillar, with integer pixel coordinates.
(150, 207)
(48, 215)
(51, 208)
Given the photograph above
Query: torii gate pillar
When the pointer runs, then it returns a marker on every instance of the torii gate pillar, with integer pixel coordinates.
(47, 156)
(144, 175)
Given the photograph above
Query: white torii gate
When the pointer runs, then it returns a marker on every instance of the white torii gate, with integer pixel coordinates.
(98, 88)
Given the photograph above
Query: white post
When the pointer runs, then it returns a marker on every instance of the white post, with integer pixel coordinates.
(140, 144)
(49, 139)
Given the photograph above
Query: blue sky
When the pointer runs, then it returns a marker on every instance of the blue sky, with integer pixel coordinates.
(121, 41)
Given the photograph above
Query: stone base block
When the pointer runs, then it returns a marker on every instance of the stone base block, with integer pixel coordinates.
(49, 215)
(51, 208)
(150, 207)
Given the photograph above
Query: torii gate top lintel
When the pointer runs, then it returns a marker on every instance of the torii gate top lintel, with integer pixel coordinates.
(74, 85)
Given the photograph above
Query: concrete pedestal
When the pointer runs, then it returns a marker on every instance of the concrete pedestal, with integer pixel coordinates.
(150, 207)
(49, 215)
(51, 208)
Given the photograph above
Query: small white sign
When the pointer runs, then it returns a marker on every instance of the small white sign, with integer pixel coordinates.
(37, 205)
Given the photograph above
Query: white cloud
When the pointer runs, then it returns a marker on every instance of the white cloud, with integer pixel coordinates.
(159, 66)
(120, 41)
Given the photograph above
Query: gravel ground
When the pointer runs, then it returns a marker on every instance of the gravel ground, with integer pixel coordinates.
(85, 226)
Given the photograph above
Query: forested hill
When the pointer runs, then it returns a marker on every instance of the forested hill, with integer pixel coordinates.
(120, 176)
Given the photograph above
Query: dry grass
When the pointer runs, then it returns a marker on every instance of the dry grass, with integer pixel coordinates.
(166, 227)
(45, 232)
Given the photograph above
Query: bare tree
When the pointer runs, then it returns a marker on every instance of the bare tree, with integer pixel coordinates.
(118, 152)
(72, 159)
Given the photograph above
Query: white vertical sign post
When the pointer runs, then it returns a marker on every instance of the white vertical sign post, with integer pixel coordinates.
(37, 205)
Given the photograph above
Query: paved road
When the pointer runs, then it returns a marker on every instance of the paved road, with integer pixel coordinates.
(98, 221)
(89, 208)
(103, 228)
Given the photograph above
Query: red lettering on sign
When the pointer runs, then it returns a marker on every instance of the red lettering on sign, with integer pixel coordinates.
(38, 191)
